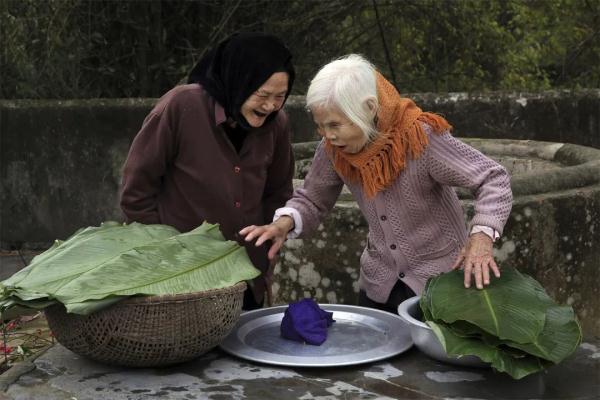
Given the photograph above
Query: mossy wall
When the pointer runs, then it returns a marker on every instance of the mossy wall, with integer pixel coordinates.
(60, 165)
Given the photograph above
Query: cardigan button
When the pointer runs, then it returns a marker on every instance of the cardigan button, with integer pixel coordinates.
(401, 275)
(383, 217)
(393, 247)
(238, 204)
(237, 169)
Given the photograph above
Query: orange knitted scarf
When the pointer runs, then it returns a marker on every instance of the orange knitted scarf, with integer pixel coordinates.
(401, 135)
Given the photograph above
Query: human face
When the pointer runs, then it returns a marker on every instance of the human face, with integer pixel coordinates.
(266, 99)
(333, 125)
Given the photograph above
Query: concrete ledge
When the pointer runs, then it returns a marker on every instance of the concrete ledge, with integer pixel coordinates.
(60, 161)
(63, 375)
(566, 116)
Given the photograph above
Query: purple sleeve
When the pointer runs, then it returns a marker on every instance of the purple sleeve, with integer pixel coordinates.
(454, 163)
(318, 195)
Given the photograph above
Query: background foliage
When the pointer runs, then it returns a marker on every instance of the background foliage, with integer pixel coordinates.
(129, 48)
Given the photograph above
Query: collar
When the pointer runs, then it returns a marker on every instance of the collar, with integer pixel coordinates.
(220, 116)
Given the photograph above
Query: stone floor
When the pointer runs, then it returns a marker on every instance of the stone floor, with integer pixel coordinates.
(59, 374)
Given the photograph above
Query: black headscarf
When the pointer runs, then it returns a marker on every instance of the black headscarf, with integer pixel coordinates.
(238, 66)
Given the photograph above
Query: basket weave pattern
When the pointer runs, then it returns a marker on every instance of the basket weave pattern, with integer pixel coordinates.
(151, 330)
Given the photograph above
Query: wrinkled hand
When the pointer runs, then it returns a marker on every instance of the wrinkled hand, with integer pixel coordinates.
(276, 232)
(477, 258)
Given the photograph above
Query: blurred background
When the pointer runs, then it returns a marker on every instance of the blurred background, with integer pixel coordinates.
(67, 49)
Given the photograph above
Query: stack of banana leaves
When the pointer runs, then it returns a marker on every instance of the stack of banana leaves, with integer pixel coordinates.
(511, 324)
(98, 266)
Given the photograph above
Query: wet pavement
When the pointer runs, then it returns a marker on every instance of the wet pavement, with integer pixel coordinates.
(59, 374)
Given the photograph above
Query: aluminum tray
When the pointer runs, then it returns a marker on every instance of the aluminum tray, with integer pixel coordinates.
(359, 335)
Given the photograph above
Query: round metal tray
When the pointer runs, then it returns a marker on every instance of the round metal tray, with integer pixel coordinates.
(358, 335)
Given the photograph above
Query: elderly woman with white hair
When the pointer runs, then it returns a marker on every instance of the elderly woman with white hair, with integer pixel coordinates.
(401, 165)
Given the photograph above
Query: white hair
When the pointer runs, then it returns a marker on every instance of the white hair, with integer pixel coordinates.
(347, 83)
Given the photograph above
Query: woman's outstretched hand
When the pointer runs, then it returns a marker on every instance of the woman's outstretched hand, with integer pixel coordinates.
(276, 232)
(477, 258)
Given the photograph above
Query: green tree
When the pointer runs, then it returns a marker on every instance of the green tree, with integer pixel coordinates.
(137, 48)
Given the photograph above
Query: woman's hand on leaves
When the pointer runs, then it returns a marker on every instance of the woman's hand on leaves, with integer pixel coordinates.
(477, 258)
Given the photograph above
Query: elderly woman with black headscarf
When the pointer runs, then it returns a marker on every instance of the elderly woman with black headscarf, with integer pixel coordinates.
(219, 148)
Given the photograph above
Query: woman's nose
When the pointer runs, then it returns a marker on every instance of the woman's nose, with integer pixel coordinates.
(269, 106)
(329, 135)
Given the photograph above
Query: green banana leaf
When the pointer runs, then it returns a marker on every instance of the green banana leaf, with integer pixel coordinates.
(99, 266)
(498, 308)
(558, 340)
(425, 301)
(181, 264)
(91, 306)
(500, 323)
(517, 367)
(82, 252)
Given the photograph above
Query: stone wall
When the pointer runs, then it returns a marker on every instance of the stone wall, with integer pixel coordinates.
(60, 165)
(555, 116)
(60, 160)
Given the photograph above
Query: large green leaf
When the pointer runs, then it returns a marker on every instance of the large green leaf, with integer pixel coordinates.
(82, 252)
(558, 340)
(425, 301)
(184, 263)
(99, 266)
(503, 361)
(498, 308)
(90, 306)
(493, 323)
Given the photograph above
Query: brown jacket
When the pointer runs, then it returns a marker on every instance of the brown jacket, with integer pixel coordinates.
(182, 170)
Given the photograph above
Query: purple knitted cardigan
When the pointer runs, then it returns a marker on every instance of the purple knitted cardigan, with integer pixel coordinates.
(416, 226)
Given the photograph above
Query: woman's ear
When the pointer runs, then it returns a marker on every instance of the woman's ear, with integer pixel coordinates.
(371, 104)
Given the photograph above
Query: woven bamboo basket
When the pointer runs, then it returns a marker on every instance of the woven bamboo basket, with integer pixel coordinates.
(150, 331)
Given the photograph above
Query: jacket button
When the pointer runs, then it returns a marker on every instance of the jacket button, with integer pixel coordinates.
(401, 275)
(393, 247)
(238, 204)
(237, 169)
(383, 217)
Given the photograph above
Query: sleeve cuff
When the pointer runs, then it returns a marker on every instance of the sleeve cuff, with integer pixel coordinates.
(491, 232)
(290, 212)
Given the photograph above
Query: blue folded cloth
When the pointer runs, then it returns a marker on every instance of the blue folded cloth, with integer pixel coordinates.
(305, 321)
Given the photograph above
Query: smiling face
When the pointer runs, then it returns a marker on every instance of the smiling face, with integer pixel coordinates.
(333, 125)
(266, 99)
